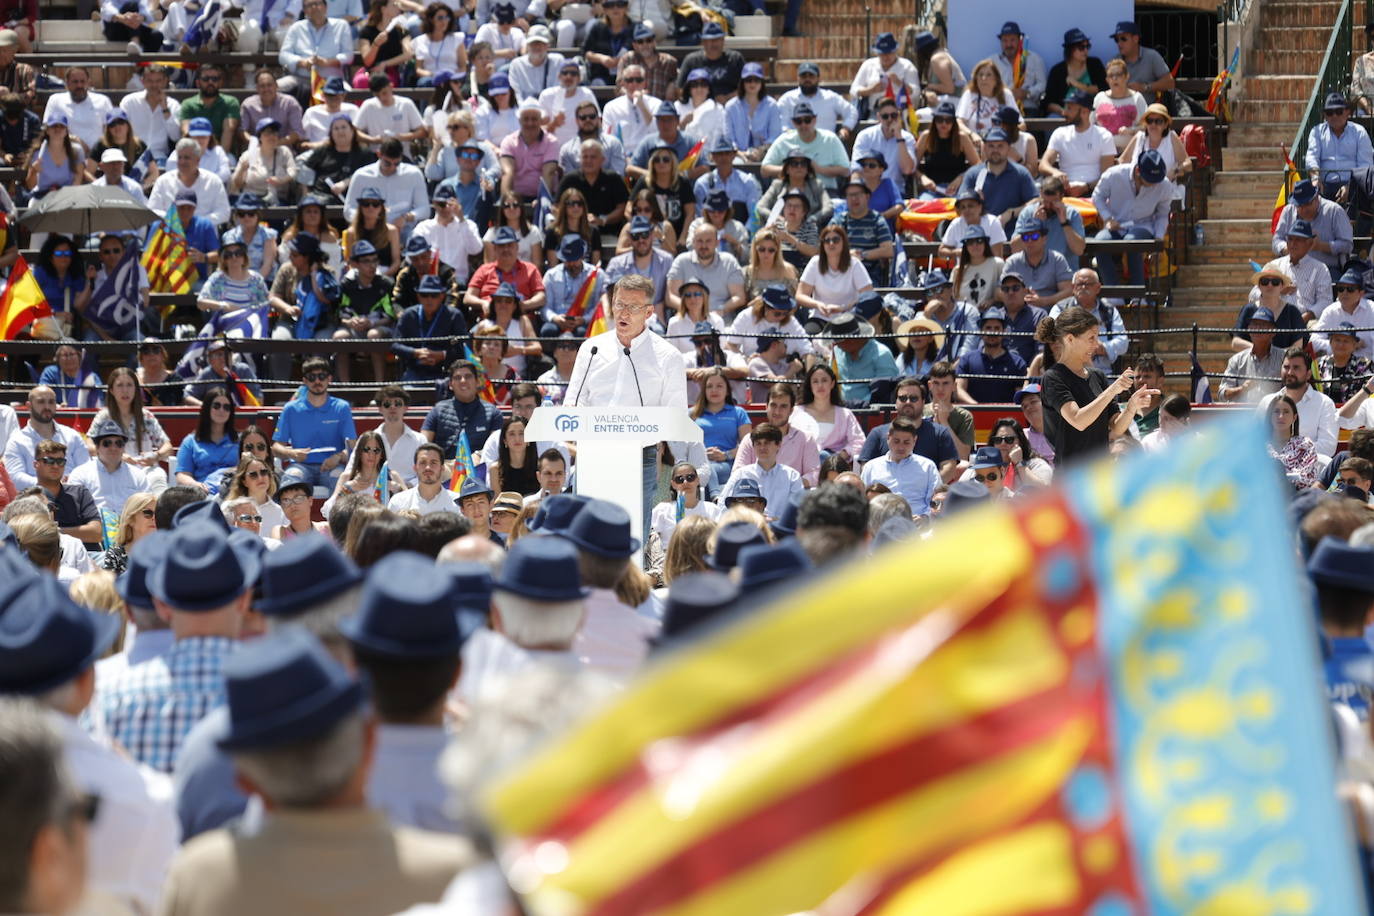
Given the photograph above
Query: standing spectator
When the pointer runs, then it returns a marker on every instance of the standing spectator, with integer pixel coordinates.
(1079, 152)
(1333, 236)
(223, 111)
(992, 359)
(1031, 90)
(1078, 70)
(316, 43)
(1133, 201)
(1148, 72)
(85, 110)
(1006, 186)
(723, 65)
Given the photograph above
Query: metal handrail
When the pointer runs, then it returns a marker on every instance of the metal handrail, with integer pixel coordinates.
(1332, 76)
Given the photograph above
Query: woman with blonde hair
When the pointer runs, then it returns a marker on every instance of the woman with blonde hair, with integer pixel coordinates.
(688, 547)
(674, 192)
(95, 590)
(41, 542)
(254, 478)
(767, 266)
(138, 519)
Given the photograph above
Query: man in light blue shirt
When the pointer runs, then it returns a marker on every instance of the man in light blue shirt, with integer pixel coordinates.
(1062, 224)
(644, 258)
(1034, 76)
(1336, 148)
(887, 138)
(778, 482)
(912, 477)
(562, 284)
(1335, 238)
(318, 41)
(316, 432)
(742, 187)
(859, 356)
(1133, 202)
(1112, 340)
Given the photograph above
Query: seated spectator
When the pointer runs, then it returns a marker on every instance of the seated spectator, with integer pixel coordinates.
(971, 214)
(369, 224)
(202, 238)
(858, 356)
(269, 103)
(531, 73)
(887, 139)
(822, 147)
(431, 318)
(753, 120)
(724, 422)
(1335, 149)
(312, 311)
(1158, 135)
(401, 185)
(387, 116)
(1341, 371)
(1078, 70)
(19, 127)
(211, 450)
(797, 176)
(671, 188)
(530, 155)
(255, 481)
(777, 483)
(1332, 240)
(1111, 329)
(631, 115)
(838, 429)
(570, 218)
(767, 267)
(83, 109)
(944, 151)
(799, 447)
(76, 386)
(365, 306)
(56, 161)
(1350, 306)
(315, 43)
(70, 501)
(991, 359)
(1119, 109)
(1021, 144)
(188, 176)
(329, 168)
(452, 238)
(796, 231)
(1275, 285)
(1248, 372)
(268, 169)
(870, 239)
(511, 213)
(505, 314)
(1079, 152)
(1311, 280)
(886, 73)
(502, 33)
(318, 120)
(1046, 272)
(1295, 453)
(719, 270)
(772, 311)
(702, 117)
(834, 280)
(1021, 316)
(1133, 202)
(562, 102)
(1316, 410)
(911, 476)
(705, 354)
(771, 364)
(233, 285)
(475, 192)
(1006, 186)
(214, 158)
(316, 432)
(1062, 224)
(984, 97)
(464, 413)
(604, 193)
(732, 235)
(919, 341)
(428, 495)
(258, 240)
(496, 116)
(958, 319)
(383, 45)
(565, 284)
(528, 281)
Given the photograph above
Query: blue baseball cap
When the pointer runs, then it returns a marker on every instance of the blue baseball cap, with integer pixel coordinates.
(506, 290)
(885, 43)
(505, 235)
(199, 127)
(430, 285)
(711, 30)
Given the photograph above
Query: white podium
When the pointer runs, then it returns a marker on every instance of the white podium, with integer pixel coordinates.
(610, 445)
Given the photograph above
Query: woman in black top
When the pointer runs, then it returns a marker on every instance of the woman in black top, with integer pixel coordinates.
(1077, 70)
(518, 461)
(607, 39)
(334, 163)
(1080, 407)
(383, 44)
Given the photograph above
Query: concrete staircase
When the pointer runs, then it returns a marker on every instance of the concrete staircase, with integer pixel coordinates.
(835, 37)
(1212, 285)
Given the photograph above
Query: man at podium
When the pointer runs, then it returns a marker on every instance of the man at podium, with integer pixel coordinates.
(630, 365)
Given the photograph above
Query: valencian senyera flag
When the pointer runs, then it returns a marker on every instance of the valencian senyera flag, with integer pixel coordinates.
(1102, 700)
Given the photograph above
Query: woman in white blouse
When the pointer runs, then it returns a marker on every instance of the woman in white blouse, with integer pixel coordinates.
(687, 500)
(438, 47)
(833, 280)
(984, 97)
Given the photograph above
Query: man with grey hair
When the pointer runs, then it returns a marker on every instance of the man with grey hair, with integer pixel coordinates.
(301, 738)
(1112, 340)
(538, 605)
(473, 548)
(43, 845)
(48, 649)
(75, 558)
(718, 270)
(883, 507)
(594, 166)
(211, 200)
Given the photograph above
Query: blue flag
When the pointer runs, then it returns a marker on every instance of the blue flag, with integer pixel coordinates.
(543, 207)
(205, 26)
(117, 304)
(238, 323)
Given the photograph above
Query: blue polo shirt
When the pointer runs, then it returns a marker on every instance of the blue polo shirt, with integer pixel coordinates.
(202, 236)
(1013, 188)
(201, 459)
(721, 429)
(991, 391)
(303, 425)
(1350, 673)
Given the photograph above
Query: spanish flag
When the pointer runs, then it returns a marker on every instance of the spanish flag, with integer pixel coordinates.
(1102, 699)
(689, 161)
(316, 86)
(598, 323)
(22, 302)
(584, 294)
(1290, 177)
(243, 394)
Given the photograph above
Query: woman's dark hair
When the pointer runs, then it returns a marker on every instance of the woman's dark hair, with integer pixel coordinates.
(699, 407)
(238, 487)
(67, 142)
(203, 423)
(503, 450)
(584, 223)
(688, 466)
(647, 194)
(1073, 320)
(1027, 451)
(809, 397)
(250, 430)
(135, 408)
(1176, 406)
(78, 267)
(512, 197)
(835, 464)
(371, 437)
(374, 13)
(434, 9)
(843, 266)
(1293, 405)
(382, 535)
(939, 144)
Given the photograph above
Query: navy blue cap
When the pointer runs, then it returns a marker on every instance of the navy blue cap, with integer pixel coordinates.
(203, 510)
(1353, 276)
(506, 290)
(303, 572)
(1032, 388)
(1077, 97)
(1075, 36)
(988, 456)
(363, 248)
(1152, 168)
(1345, 327)
(417, 244)
(473, 581)
(945, 109)
(692, 281)
(503, 12)
(430, 285)
(146, 553)
(46, 638)
(335, 85)
(697, 75)
(196, 127)
(1335, 563)
(731, 538)
(1008, 114)
(572, 248)
(744, 488)
(974, 232)
(763, 565)
(1335, 102)
(1010, 28)
(1301, 228)
(409, 609)
(963, 494)
(996, 135)
(306, 245)
(810, 67)
(543, 569)
(869, 305)
(186, 196)
(602, 528)
(752, 71)
(694, 598)
(443, 192)
(925, 39)
(993, 313)
(370, 193)
(785, 525)
(969, 194)
(640, 225)
(1263, 314)
(711, 30)
(778, 297)
(718, 200)
(249, 201)
(800, 110)
(1126, 27)
(643, 31)
(767, 339)
(723, 144)
(473, 487)
(703, 329)
(935, 279)
(666, 109)
(285, 689)
(1304, 192)
(202, 570)
(499, 84)
(885, 43)
(267, 124)
(556, 512)
(505, 235)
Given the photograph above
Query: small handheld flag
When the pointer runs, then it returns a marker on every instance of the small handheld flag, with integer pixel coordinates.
(689, 161)
(316, 86)
(1290, 175)
(22, 303)
(167, 260)
(585, 294)
(462, 463)
(382, 492)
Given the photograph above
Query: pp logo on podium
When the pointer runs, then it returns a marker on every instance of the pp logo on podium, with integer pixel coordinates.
(566, 423)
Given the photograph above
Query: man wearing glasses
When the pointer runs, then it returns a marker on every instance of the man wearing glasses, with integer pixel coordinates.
(833, 111)
(742, 187)
(109, 479)
(630, 115)
(589, 127)
(71, 504)
(219, 374)
(221, 110)
(601, 186)
(314, 433)
(1335, 148)
(645, 259)
(658, 68)
(822, 147)
(1062, 224)
(1146, 69)
(887, 139)
(1334, 235)
(1046, 272)
(314, 42)
(560, 103)
(1014, 294)
(667, 133)
(401, 184)
(20, 449)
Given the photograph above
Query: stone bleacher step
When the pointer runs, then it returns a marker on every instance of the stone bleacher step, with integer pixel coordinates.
(1241, 183)
(785, 71)
(1296, 38)
(1256, 158)
(1214, 275)
(1277, 86)
(1235, 207)
(1268, 133)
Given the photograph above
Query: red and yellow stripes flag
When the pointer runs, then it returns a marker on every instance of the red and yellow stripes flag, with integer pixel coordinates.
(243, 394)
(689, 161)
(316, 86)
(1042, 727)
(1290, 177)
(170, 64)
(488, 390)
(584, 296)
(598, 324)
(926, 218)
(22, 302)
(166, 260)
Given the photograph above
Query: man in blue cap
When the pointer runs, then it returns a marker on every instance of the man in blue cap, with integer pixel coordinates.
(1133, 201)
(419, 263)
(474, 192)
(886, 71)
(453, 238)
(1079, 152)
(597, 170)
(1334, 236)
(570, 280)
(723, 65)
(474, 499)
(993, 358)
(1309, 280)
(659, 68)
(1031, 87)
(1352, 307)
(1336, 148)
(202, 585)
(958, 319)
(988, 467)
(301, 738)
(506, 267)
(645, 259)
(316, 119)
(1146, 69)
(365, 307)
(833, 111)
(1344, 578)
(1006, 186)
(805, 140)
(667, 132)
(1046, 272)
(741, 187)
(1062, 224)
(48, 649)
(407, 635)
(1248, 372)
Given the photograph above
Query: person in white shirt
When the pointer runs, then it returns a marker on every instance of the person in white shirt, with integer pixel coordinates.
(1351, 306)
(538, 68)
(317, 118)
(153, 114)
(85, 110)
(402, 186)
(560, 102)
(888, 70)
(507, 40)
(109, 477)
(833, 111)
(277, 18)
(1080, 151)
(1033, 72)
(428, 495)
(387, 115)
(19, 450)
(316, 42)
(399, 440)
(211, 200)
(132, 841)
(629, 117)
(113, 162)
(912, 477)
(1316, 412)
(9, 424)
(524, 398)
(452, 235)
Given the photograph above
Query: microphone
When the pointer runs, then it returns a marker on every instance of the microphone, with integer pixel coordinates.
(636, 372)
(585, 373)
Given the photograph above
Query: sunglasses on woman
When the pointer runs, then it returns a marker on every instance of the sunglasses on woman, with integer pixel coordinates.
(990, 477)
(685, 478)
(1270, 281)
(258, 474)
(1003, 440)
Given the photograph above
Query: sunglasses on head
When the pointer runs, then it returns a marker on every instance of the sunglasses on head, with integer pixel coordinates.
(685, 478)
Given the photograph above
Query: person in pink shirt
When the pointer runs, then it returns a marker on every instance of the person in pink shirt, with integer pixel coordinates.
(529, 155)
(799, 450)
(1120, 108)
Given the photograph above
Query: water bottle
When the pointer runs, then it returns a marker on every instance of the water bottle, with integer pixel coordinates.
(1199, 237)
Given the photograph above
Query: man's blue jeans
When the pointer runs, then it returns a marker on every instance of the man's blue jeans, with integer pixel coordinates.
(313, 474)
(1106, 266)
